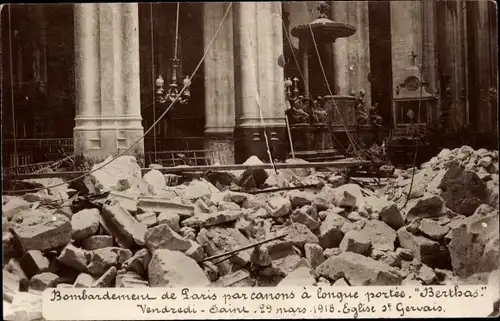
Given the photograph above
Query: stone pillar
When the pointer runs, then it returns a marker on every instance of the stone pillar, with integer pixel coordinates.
(219, 82)
(352, 54)
(107, 85)
(483, 69)
(259, 80)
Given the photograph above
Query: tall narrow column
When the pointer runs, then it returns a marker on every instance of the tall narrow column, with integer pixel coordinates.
(352, 54)
(259, 80)
(108, 116)
(219, 82)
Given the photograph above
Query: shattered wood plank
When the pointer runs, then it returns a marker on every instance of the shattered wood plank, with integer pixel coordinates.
(345, 163)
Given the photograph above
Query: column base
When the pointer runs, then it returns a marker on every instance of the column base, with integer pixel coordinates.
(94, 146)
(251, 141)
(221, 147)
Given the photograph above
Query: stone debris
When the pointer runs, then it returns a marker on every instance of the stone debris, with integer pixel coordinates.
(161, 230)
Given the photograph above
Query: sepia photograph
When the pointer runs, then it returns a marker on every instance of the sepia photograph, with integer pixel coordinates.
(327, 145)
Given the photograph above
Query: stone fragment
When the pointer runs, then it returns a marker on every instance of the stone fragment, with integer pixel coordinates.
(83, 280)
(156, 179)
(279, 206)
(188, 233)
(332, 230)
(306, 215)
(163, 237)
(301, 198)
(95, 242)
(213, 219)
(354, 216)
(348, 195)
(390, 214)
(9, 244)
(322, 282)
(127, 199)
(391, 259)
(158, 205)
(124, 228)
(474, 246)
(33, 262)
(404, 254)
(423, 249)
(240, 278)
(11, 285)
(14, 207)
(106, 280)
(284, 260)
(216, 240)
(427, 206)
(340, 282)
(426, 275)
(200, 207)
(101, 260)
(149, 219)
(228, 206)
(485, 162)
(85, 223)
(74, 257)
(106, 175)
(331, 252)
(433, 229)
(301, 276)
(463, 191)
(359, 270)
(138, 263)
(381, 236)
(129, 279)
(196, 252)
(43, 281)
(314, 254)
(175, 269)
(297, 234)
(51, 233)
(13, 266)
(199, 188)
(357, 242)
(172, 219)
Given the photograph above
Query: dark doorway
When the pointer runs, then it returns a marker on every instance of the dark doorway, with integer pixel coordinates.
(379, 14)
(182, 128)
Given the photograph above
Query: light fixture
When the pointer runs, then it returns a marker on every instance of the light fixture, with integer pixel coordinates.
(173, 92)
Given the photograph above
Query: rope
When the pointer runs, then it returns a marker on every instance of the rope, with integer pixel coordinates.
(14, 132)
(354, 144)
(153, 77)
(147, 131)
(265, 131)
(422, 17)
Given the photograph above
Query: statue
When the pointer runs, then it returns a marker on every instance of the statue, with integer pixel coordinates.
(320, 116)
(297, 113)
(361, 115)
(375, 118)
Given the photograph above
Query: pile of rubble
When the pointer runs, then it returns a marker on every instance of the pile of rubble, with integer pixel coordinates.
(129, 230)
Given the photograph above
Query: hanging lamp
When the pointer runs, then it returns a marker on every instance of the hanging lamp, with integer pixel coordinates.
(173, 92)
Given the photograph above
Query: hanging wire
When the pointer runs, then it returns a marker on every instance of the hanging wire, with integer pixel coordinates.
(176, 31)
(349, 136)
(12, 100)
(153, 77)
(415, 135)
(147, 131)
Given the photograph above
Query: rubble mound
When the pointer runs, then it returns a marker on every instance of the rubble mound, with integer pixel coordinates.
(128, 230)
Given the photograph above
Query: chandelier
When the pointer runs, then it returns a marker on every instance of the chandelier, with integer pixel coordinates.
(173, 93)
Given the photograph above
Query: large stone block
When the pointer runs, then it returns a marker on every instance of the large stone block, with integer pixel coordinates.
(175, 269)
(359, 270)
(52, 232)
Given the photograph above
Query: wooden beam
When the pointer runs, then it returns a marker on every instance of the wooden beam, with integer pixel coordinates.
(345, 163)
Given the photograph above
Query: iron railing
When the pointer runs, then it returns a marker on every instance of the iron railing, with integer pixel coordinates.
(28, 151)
